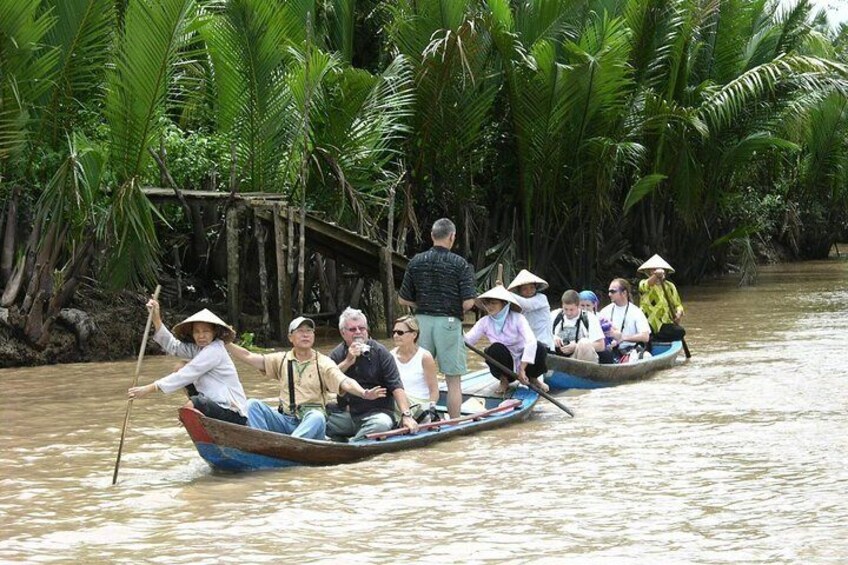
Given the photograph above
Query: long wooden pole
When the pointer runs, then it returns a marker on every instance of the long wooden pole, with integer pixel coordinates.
(135, 383)
(512, 374)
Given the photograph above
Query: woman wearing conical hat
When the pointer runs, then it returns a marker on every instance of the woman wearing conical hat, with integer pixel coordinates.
(660, 300)
(527, 290)
(209, 375)
(513, 343)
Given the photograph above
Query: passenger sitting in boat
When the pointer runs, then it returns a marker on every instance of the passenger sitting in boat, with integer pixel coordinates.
(305, 377)
(370, 364)
(417, 369)
(577, 333)
(209, 376)
(629, 325)
(513, 343)
(589, 302)
(527, 289)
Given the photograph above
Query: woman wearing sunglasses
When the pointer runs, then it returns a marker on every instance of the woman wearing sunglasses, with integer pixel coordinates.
(416, 366)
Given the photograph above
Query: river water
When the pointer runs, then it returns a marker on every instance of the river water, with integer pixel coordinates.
(736, 456)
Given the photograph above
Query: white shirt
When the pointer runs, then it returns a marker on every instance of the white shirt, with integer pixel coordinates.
(538, 313)
(412, 374)
(565, 328)
(628, 319)
(210, 369)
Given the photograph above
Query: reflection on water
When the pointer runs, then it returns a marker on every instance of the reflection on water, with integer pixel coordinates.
(736, 456)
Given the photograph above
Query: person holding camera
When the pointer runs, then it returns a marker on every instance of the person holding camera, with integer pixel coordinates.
(660, 301)
(370, 364)
(306, 378)
(577, 333)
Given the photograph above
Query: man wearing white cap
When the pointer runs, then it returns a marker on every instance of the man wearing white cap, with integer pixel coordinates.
(660, 301)
(305, 377)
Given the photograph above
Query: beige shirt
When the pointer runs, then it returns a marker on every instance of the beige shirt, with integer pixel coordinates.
(307, 384)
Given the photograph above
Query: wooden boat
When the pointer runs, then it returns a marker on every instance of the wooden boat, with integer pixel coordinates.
(567, 373)
(231, 447)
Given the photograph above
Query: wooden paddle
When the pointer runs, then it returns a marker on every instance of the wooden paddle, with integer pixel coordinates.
(512, 374)
(135, 383)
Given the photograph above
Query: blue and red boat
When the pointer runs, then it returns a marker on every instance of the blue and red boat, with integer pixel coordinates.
(231, 447)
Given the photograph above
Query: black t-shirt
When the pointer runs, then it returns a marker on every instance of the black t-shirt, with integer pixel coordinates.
(438, 281)
(377, 367)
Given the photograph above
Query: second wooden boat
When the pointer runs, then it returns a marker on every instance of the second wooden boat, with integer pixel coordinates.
(565, 373)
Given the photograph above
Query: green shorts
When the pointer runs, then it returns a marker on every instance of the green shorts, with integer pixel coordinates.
(442, 336)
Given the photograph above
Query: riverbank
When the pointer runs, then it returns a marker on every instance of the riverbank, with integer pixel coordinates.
(114, 324)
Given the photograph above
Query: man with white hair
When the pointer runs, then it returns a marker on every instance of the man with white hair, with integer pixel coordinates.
(371, 365)
(306, 378)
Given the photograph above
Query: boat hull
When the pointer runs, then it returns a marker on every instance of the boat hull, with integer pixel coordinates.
(568, 373)
(230, 447)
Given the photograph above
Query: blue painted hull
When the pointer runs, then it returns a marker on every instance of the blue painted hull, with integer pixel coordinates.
(567, 373)
(229, 447)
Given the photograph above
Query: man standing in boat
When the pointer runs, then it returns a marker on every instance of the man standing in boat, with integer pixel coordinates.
(439, 285)
(371, 365)
(306, 377)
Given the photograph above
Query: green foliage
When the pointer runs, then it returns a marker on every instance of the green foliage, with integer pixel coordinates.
(566, 134)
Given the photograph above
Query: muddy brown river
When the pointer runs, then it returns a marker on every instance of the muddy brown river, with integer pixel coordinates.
(739, 455)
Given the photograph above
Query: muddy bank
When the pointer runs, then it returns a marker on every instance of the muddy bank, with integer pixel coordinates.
(114, 324)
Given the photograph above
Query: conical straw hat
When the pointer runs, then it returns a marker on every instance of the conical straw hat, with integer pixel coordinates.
(655, 262)
(183, 329)
(526, 277)
(500, 293)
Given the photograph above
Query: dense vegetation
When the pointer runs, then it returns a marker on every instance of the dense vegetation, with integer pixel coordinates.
(573, 136)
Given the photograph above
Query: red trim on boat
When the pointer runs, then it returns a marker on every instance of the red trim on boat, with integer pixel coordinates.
(191, 420)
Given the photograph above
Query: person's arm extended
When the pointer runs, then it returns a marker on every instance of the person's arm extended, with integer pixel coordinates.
(255, 360)
(350, 386)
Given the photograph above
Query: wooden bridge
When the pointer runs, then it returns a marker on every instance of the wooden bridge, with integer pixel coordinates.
(271, 214)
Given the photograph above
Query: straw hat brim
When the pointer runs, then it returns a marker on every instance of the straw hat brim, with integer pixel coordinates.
(183, 329)
(655, 262)
(526, 277)
(500, 293)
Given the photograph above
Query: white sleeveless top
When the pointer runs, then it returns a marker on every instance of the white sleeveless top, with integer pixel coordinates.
(412, 374)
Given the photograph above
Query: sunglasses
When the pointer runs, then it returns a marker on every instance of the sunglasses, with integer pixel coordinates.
(355, 329)
(402, 332)
(615, 290)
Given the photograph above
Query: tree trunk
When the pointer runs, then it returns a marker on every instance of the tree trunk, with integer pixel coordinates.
(301, 258)
(7, 257)
(261, 239)
(233, 282)
(283, 278)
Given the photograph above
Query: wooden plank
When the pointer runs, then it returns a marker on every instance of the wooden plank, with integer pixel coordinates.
(283, 282)
(168, 193)
(512, 404)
